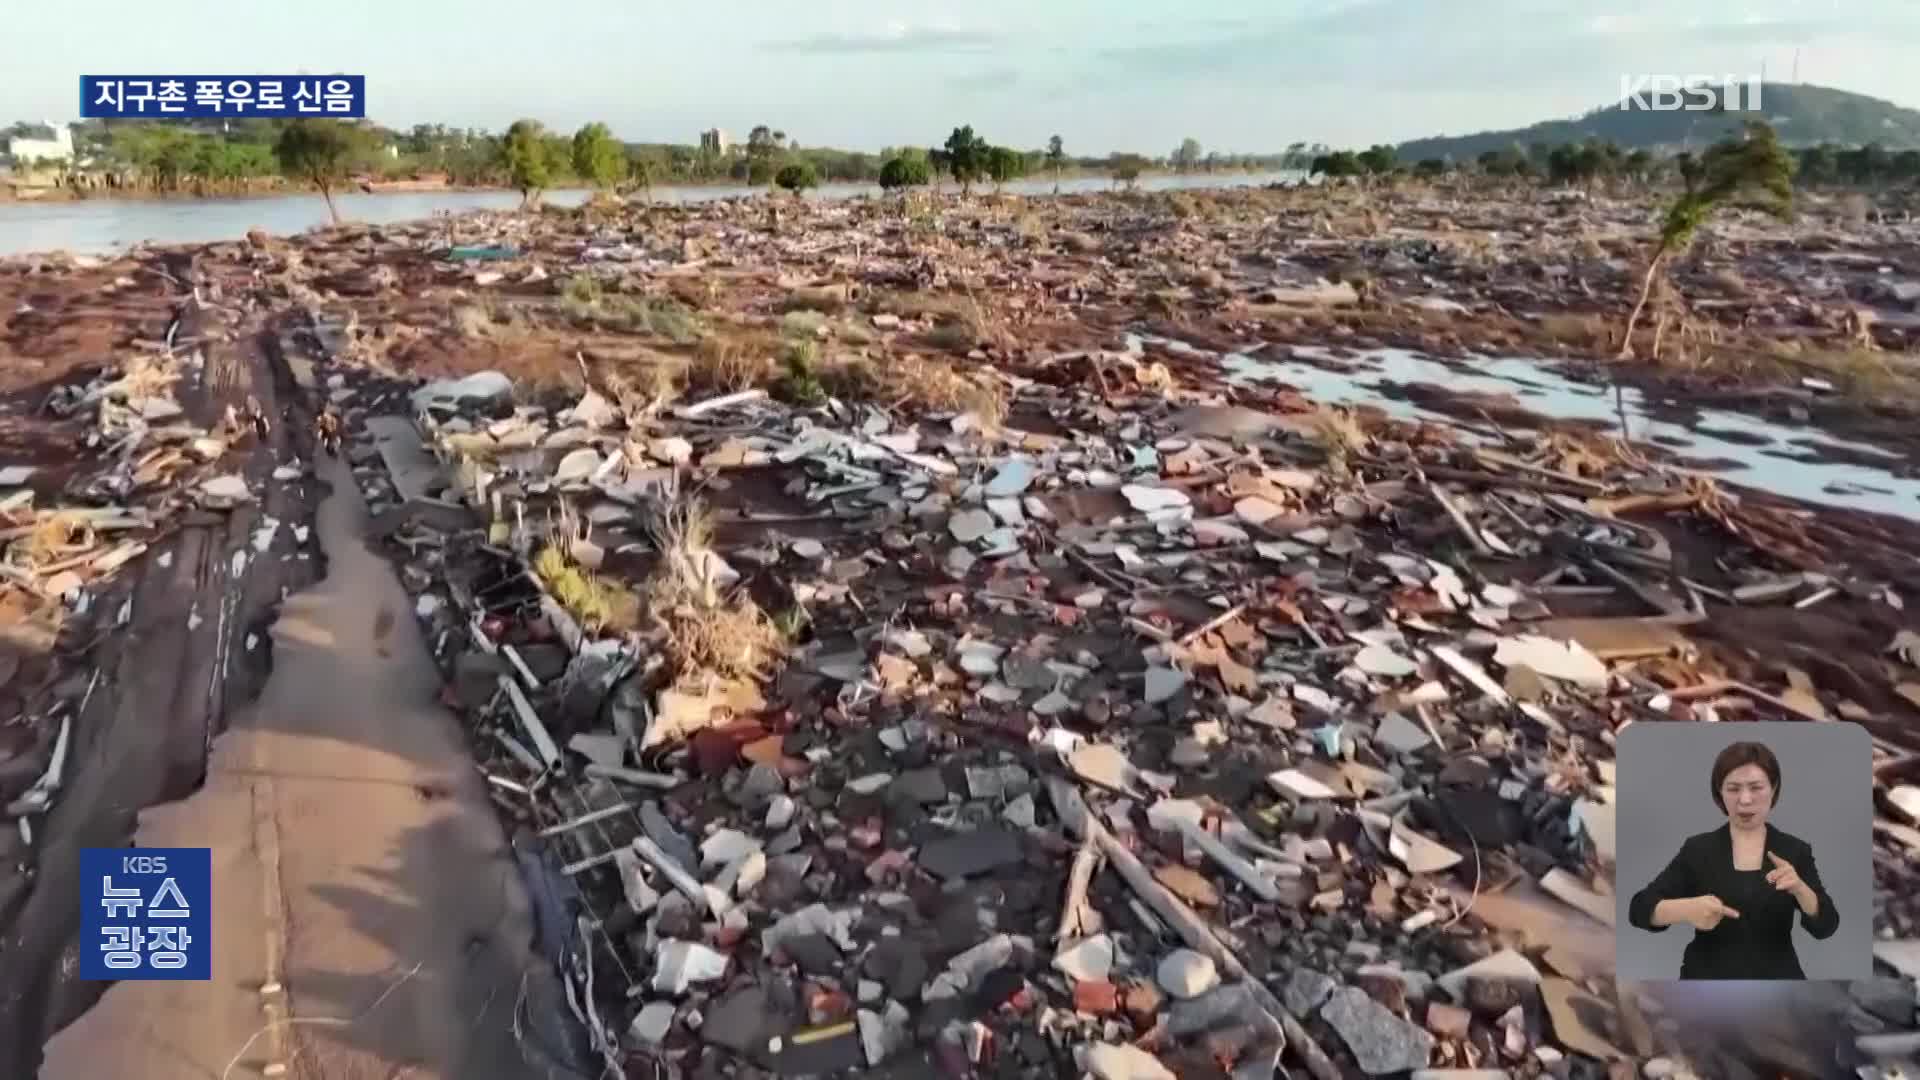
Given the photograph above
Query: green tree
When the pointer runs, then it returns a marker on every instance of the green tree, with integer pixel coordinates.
(597, 158)
(1818, 165)
(640, 171)
(528, 165)
(1639, 166)
(1376, 160)
(1004, 164)
(904, 172)
(762, 145)
(797, 177)
(318, 150)
(1056, 157)
(1337, 164)
(1126, 168)
(966, 157)
(1430, 168)
(1752, 162)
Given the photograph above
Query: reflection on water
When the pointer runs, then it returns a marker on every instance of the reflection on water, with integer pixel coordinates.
(1758, 452)
(98, 226)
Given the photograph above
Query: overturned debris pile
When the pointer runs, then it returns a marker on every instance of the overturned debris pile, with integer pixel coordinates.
(1124, 738)
(131, 468)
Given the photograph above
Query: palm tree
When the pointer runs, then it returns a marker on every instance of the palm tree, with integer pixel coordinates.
(1753, 161)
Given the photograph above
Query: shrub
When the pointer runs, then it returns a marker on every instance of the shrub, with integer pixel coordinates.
(797, 177)
(900, 173)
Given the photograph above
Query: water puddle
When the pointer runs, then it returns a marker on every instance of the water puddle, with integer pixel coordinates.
(1793, 462)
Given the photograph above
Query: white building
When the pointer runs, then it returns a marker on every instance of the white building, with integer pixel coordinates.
(714, 141)
(57, 148)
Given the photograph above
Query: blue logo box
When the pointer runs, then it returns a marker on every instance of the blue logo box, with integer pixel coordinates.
(144, 913)
(161, 97)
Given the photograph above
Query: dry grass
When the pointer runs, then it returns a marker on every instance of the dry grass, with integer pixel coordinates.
(1884, 377)
(939, 386)
(704, 630)
(829, 300)
(1579, 331)
(954, 337)
(586, 301)
(1729, 281)
(726, 366)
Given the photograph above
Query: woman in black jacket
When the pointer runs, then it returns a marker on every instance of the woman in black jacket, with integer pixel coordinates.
(1741, 885)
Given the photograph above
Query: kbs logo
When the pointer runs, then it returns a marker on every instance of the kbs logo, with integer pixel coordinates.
(1689, 93)
(145, 913)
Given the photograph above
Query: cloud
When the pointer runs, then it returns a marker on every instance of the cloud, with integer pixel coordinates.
(895, 38)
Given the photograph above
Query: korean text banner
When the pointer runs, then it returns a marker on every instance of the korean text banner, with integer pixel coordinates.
(145, 913)
(159, 97)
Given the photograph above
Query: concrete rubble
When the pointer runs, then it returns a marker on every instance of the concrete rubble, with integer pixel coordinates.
(1082, 715)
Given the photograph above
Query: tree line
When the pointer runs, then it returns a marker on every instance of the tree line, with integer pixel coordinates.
(1597, 160)
(212, 155)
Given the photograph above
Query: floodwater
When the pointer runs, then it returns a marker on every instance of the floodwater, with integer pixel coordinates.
(1795, 462)
(102, 226)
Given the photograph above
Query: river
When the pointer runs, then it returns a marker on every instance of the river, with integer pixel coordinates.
(103, 226)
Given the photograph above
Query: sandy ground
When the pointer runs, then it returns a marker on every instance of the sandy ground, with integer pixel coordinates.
(368, 922)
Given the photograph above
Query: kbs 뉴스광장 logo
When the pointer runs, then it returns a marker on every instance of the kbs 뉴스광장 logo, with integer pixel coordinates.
(145, 913)
(161, 97)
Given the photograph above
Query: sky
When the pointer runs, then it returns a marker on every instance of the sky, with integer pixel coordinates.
(1241, 76)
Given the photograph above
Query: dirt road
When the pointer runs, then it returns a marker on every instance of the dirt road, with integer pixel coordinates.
(368, 919)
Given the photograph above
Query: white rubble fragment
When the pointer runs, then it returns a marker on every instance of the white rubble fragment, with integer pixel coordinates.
(1186, 974)
(1299, 785)
(726, 846)
(870, 783)
(836, 926)
(483, 385)
(1568, 661)
(1088, 959)
(679, 964)
(1148, 499)
(226, 489)
(965, 971)
(650, 1027)
(1120, 1061)
(1382, 661)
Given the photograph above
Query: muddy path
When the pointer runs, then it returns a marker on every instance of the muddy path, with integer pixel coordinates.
(359, 873)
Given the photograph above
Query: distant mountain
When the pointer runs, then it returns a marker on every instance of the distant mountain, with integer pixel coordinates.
(1803, 115)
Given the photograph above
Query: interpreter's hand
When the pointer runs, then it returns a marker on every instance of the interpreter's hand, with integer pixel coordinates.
(1705, 912)
(1783, 876)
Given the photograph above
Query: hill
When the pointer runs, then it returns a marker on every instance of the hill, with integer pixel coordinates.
(1803, 115)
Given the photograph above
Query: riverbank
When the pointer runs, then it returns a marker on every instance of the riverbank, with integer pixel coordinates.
(803, 572)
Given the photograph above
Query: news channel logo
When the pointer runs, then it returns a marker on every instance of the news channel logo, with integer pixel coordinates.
(183, 97)
(145, 913)
(1690, 93)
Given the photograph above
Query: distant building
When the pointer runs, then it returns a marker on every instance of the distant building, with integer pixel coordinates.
(56, 147)
(714, 141)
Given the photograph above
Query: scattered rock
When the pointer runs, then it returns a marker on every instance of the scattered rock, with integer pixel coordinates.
(1184, 973)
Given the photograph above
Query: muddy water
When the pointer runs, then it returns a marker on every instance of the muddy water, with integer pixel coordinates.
(1785, 460)
(99, 226)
